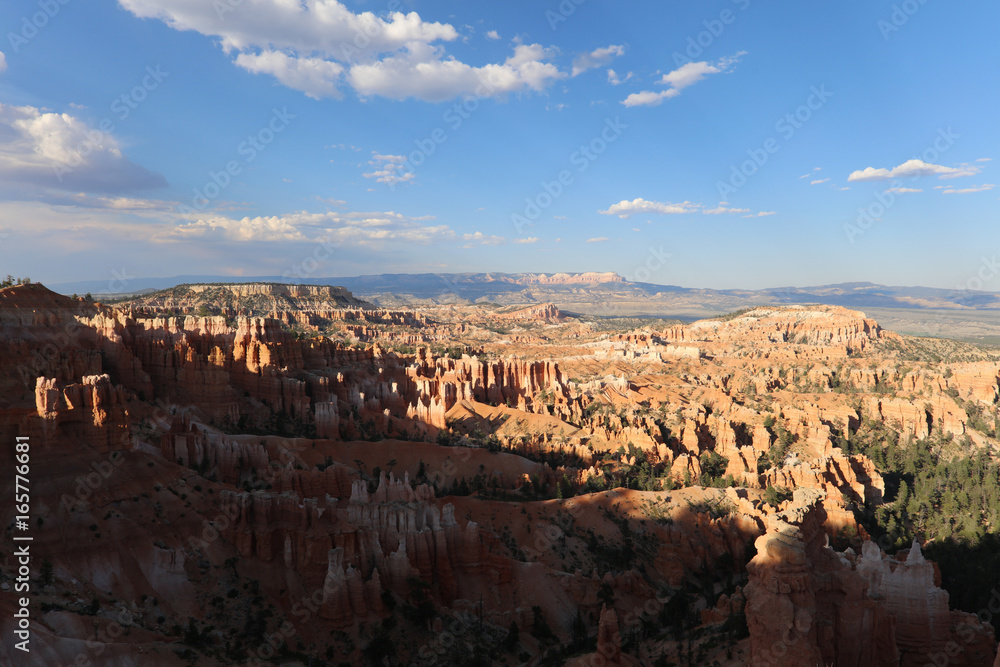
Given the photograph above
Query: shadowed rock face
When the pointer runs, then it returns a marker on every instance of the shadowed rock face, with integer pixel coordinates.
(206, 467)
(807, 604)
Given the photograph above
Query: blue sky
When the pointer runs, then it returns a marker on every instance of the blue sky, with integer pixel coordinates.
(714, 144)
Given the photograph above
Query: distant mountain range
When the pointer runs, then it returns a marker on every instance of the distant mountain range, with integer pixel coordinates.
(590, 293)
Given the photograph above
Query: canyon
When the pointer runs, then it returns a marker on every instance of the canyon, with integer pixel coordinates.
(230, 474)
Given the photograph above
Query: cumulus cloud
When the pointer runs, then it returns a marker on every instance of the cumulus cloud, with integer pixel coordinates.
(317, 46)
(421, 71)
(721, 208)
(311, 25)
(479, 238)
(683, 77)
(626, 209)
(965, 191)
(912, 169)
(492, 34)
(270, 229)
(60, 152)
(389, 169)
(315, 77)
(528, 240)
(615, 80)
(359, 229)
(596, 58)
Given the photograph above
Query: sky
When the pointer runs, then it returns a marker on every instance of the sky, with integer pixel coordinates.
(717, 144)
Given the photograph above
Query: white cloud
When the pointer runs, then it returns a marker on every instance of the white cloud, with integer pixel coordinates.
(528, 240)
(596, 58)
(721, 208)
(308, 26)
(266, 229)
(985, 159)
(616, 80)
(315, 77)
(422, 72)
(597, 239)
(114, 232)
(316, 46)
(3, 61)
(625, 209)
(389, 169)
(648, 98)
(903, 191)
(819, 180)
(965, 191)
(482, 239)
(492, 34)
(911, 169)
(356, 229)
(114, 204)
(681, 78)
(60, 152)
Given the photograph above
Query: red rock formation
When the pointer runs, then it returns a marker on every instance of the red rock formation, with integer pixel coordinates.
(844, 479)
(93, 410)
(546, 312)
(807, 604)
(766, 327)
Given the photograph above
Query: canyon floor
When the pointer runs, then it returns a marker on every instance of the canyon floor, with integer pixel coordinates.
(258, 474)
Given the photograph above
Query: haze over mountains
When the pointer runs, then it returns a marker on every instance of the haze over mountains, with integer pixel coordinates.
(590, 293)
